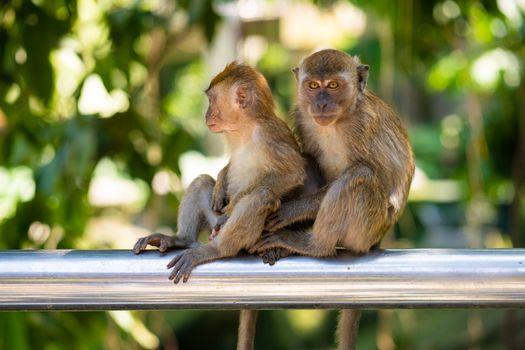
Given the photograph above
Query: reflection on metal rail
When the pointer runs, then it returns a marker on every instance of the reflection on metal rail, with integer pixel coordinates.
(117, 279)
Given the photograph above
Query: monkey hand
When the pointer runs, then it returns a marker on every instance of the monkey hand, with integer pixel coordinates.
(163, 242)
(271, 256)
(221, 220)
(278, 220)
(228, 209)
(218, 200)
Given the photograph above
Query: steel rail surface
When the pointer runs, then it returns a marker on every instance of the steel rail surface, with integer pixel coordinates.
(118, 279)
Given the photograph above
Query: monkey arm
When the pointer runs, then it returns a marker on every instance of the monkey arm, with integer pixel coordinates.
(277, 184)
(219, 197)
(296, 210)
(240, 231)
(306, 205)
(163, 242)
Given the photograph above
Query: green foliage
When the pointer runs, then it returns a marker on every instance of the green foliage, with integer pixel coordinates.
(85, 83)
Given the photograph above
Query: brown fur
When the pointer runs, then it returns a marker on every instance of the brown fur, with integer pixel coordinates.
(265, 165)
(364, 155)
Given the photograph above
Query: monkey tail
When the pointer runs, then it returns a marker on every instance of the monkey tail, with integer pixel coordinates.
(347, 329)
(247, 323)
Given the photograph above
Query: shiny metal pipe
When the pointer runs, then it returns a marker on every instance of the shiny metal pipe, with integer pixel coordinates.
(113, 279)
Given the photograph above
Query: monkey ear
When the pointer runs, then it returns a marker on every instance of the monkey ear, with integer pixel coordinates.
(242, 96)
(362, 76)
(295, 72)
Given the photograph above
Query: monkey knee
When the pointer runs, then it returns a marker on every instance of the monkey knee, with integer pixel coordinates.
(360, 248)
(202, 182)
(269, 199)
(361, 244)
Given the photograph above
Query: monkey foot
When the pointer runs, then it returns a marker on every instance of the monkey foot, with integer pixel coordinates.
(271, 256)
(182, 266)
(276, 221)
(265, 244)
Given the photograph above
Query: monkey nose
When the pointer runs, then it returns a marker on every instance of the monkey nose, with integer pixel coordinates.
(321, 106)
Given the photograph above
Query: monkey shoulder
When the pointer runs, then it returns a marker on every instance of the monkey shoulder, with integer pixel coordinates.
(279, 145)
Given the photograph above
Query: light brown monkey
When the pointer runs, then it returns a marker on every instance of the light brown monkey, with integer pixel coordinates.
(265, 165)
(365, 157)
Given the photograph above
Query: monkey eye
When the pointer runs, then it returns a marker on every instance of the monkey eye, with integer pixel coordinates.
(313, 85)
(333, 85)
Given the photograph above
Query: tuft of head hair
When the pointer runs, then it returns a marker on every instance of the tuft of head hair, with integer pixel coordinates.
(328, 62)
(253, 82)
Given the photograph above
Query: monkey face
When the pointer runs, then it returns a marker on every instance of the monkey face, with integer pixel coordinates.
(223, 110)
(325, 98)
(330, 83)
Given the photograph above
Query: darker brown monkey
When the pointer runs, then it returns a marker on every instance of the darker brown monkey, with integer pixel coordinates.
(265, 165)
(364, 155)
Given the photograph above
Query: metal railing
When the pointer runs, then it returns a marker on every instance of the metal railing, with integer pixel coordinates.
(118, 279)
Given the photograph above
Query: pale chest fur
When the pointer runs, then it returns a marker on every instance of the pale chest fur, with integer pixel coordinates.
(333, 156)
(246, 165)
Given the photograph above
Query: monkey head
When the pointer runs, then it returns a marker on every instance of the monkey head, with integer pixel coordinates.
(237, 95)
(330, 84)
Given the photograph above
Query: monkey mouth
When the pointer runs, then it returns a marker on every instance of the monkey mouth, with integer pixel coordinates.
(213, 127)
(324, 119)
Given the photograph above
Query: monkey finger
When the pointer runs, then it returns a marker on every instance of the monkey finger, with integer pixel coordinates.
(174, 260)
(137, 248)
(214, 233)
(141, 245)
(218, 204)
(163, 246)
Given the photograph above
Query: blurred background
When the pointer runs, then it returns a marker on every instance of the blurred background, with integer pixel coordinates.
(101, 129)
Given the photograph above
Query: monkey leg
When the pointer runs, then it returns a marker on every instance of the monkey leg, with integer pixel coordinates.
(246, 222)
(348, 329)
(195, 214)
(186, 261)
(294, 211)
(354, 211)
(241, 231)
(353, 214)
(295, 241)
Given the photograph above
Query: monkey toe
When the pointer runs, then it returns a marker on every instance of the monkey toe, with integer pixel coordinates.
(264, 244)
(182, 267)
(174, 260)
(136, 247)
(271, 258)
(141, 245)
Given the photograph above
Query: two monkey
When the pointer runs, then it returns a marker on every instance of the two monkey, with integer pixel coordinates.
(348, 135)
